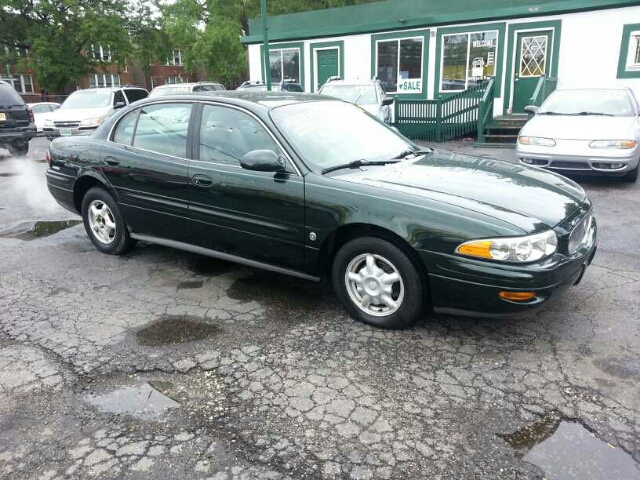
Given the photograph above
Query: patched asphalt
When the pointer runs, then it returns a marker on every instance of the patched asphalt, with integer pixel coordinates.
(164, 364)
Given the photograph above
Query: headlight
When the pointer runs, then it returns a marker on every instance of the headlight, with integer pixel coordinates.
(620, 144)
(91, 122)
(539, 141)
(512, 249)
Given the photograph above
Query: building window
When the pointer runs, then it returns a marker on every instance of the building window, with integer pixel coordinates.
(285, 65)
(468, 59)
(171, 80)
(101, 54)
(629, 60)
(154, 82)
(176, 58)
(22, 83)
(399, 64)
(101, 80)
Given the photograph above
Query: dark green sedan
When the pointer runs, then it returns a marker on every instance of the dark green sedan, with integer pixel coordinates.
(319, 189)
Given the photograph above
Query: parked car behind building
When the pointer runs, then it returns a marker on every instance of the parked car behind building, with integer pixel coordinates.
(17, 125)
(86, 110)
(584, 131)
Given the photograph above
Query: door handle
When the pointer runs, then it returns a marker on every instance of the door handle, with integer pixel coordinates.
(113, 163)
(201, 180)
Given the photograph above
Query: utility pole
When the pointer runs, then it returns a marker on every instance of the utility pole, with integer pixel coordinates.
(265, 44)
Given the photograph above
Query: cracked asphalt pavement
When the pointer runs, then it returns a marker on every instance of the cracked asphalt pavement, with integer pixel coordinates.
(163, 364)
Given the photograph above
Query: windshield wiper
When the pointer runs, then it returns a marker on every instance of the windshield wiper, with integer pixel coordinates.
(594, 113)
(357, 164)
(551, 113)
(410, 151)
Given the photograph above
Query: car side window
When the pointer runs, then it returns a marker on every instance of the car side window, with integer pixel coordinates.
(135, 94)
(118, 97)
(163, 128)
(124, 131)
(227, 135)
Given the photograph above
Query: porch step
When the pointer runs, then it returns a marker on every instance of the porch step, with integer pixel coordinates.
(503, 129)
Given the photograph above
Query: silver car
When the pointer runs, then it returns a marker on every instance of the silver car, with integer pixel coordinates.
(368, 95)
(584, 131)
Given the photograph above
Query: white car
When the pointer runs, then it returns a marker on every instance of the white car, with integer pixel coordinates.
(368, 95)
(178, 88)
(40, 111)
(85, 110)
(584, 131)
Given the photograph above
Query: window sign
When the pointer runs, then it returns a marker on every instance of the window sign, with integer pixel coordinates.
(467, 59)
(285, 65)
(633, 59)
(399, 65)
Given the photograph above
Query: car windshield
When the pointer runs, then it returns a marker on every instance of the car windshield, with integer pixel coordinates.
(330, 133)
(87, 99)
(358, 94)
(589, 102)
(158, 92)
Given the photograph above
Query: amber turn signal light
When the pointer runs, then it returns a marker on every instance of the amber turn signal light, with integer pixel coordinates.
(517, 296)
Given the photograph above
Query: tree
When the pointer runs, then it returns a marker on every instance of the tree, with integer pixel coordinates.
(55, 33)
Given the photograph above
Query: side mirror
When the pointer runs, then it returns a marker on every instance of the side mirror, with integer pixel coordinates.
(531, 109)
(263, 161)
(119, 105)
(387, 100)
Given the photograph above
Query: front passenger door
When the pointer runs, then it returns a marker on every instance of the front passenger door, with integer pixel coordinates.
(257, 215)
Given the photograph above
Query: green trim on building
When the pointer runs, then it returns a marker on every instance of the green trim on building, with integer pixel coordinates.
(281, 46)
(499, 59)
(322, 45)
(424, 34)
(555, 26)
(624, 52)
(405, 14)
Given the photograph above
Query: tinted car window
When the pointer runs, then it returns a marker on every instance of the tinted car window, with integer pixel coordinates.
(227, 135)
(118, 97)
(136, 94)
(8, 96)
(126, 127)
(163, 128)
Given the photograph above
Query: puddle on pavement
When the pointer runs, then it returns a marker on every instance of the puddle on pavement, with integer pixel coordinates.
(190, 285)
(566, 450)
(170, 330)
(286, 297)
(142, 401)
(9, 174)
(32, 231)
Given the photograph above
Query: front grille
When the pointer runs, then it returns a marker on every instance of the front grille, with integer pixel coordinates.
(570, 165)
(582, 233)
(67, 124)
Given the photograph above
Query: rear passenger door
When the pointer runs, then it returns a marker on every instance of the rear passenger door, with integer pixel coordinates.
(147, 162)
(257, 215)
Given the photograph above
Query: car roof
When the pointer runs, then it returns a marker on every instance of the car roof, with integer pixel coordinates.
(187, 84)
(267, 100)
(109, 89)
(351, 82)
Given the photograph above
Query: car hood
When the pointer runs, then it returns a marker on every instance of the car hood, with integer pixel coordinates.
(579, 127)
(77, 114)
(373, 108)
(521, 195)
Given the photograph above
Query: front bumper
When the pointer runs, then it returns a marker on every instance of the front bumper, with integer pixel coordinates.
(465, 286)
(17, 133)
(64, 132)
(580, 161)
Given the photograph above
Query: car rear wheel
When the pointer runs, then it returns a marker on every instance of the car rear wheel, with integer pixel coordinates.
(19, 148)
(632, 176)
(104, 223)
(378, 283)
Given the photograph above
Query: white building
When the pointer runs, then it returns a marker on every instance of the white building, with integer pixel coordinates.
(428, 50)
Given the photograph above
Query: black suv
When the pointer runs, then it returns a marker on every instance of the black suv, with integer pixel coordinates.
(17, 125)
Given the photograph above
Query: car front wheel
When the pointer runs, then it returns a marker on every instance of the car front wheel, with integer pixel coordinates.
(632, 176)
(104, 223)
(378, 283)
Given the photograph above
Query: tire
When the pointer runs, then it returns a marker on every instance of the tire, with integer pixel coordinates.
(19, 148)
(632, 176)
(104, 223)
(354, 258)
